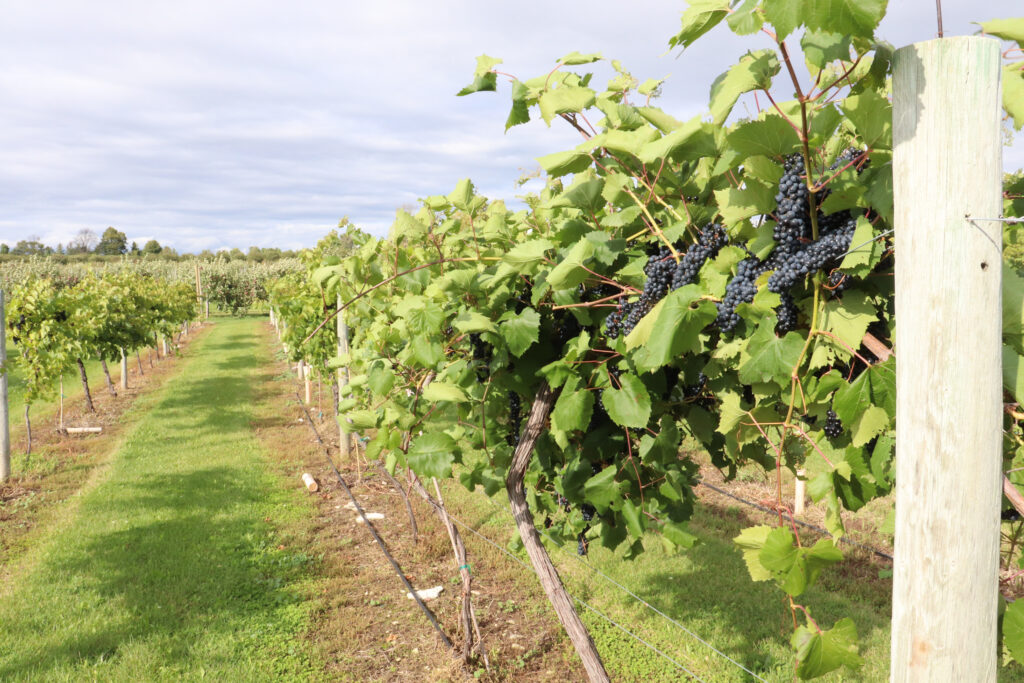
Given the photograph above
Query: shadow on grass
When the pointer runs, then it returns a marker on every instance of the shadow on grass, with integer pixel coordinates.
(173, 581)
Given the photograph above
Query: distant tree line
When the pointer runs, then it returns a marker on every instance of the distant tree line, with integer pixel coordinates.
(86, 245)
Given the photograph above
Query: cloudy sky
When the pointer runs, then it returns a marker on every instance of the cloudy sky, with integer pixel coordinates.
(208, 125)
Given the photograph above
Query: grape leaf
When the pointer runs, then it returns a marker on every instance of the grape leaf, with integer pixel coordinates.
(871, 116)
(572, 410)
(567, 99)
(563, 163)
(442, 391)
(1013, 629)
(521, 331)
(432, 455)
(601, 490)
(818, 653)
(754, 71)
(1007, 29)
(629, 406)
(855, 18)
(768, 358)
(784, 15)
(699, 18)
(771, 136)
(746, 19)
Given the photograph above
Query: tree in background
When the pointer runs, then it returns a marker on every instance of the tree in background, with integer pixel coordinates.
(84, 241)
(135, 248)
(151, 247)
(31, 246)
(4, 249)
(112, 243)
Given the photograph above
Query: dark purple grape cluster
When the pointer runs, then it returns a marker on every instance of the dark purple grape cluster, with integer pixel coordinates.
(694, 390)
(832, 243)
(787, 314)
(741, 289)
(587, 510)
(581, 544)
(837, 281)
(515, 419)
(712, 238)
(833, 425)
(482, 356)
(792, 214)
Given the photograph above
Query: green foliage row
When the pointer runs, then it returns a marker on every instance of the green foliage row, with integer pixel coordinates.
(468, 307)
(54, 326)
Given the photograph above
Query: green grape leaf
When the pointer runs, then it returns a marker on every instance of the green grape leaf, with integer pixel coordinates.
(566, 99)
(520, 111)
(784, 15)
(1007, 29)
(676, 534)
(753, 199)
(670, 143)
(871, 116)
(672, 328)
(634, 518)
(751, 540)
(575, 58)
(699, 18)
(754, 71)
(432, 455)
(629, 406)
(572, 410)
(462, 195)
(768, 358)
(876, 386)
(527, 254)
(856, 18)
(870, 424)
(521, 331)
(471, 321)
(564, 163)
(601, 490)
(746, 19)
(1013, 373)
(823, 47)
(484, 79)
(1013, 629)
(818, 653)
(570, 271)
(442, 391)
(771, 136)
(848, 319)
(1013, 93)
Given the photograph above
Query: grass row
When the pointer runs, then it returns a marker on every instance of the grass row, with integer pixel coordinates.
(169, 567)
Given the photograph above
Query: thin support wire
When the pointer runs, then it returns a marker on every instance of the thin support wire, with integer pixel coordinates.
(651, 607)
(582, 602)
(643, 602)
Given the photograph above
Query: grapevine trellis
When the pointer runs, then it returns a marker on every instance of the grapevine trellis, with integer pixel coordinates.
(728, 282)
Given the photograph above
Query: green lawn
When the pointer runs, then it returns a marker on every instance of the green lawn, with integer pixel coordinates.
(173, 566)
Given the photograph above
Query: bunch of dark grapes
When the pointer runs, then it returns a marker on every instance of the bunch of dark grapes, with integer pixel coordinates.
(694, 390)
(741, 289)
(793, 212)
(833, 425)
(16, 326)
(712, 238)
(832, 243)
(566, 327)
(60, 316)
(481, 355)
(522, 300)
(837, 281)
(581, 544)
(787, 314)
(659, 270)
(562, 502)
(587, 510)
(515, 419)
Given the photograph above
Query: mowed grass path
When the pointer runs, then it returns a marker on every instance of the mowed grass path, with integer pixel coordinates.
(173, 566)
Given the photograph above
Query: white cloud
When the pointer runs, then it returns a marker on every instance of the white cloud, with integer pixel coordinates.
(236, 123)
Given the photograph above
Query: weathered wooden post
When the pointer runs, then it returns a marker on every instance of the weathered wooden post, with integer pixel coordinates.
(947, 165)
(307, 382)
(124, 369)
(5, 416)
(343, 437)
(799, 493)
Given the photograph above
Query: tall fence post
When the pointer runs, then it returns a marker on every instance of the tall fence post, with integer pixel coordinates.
(124, 369)
(5, 416)
(343, 437)
(947, 165)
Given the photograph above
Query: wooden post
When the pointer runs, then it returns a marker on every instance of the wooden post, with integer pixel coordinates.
(199, 292)
(61, 423)
(343, 438)
(207, 308)
(308, 382)
(164, 342)
(799, 493)
(124, 370)
(947, 164)
(5, 416)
